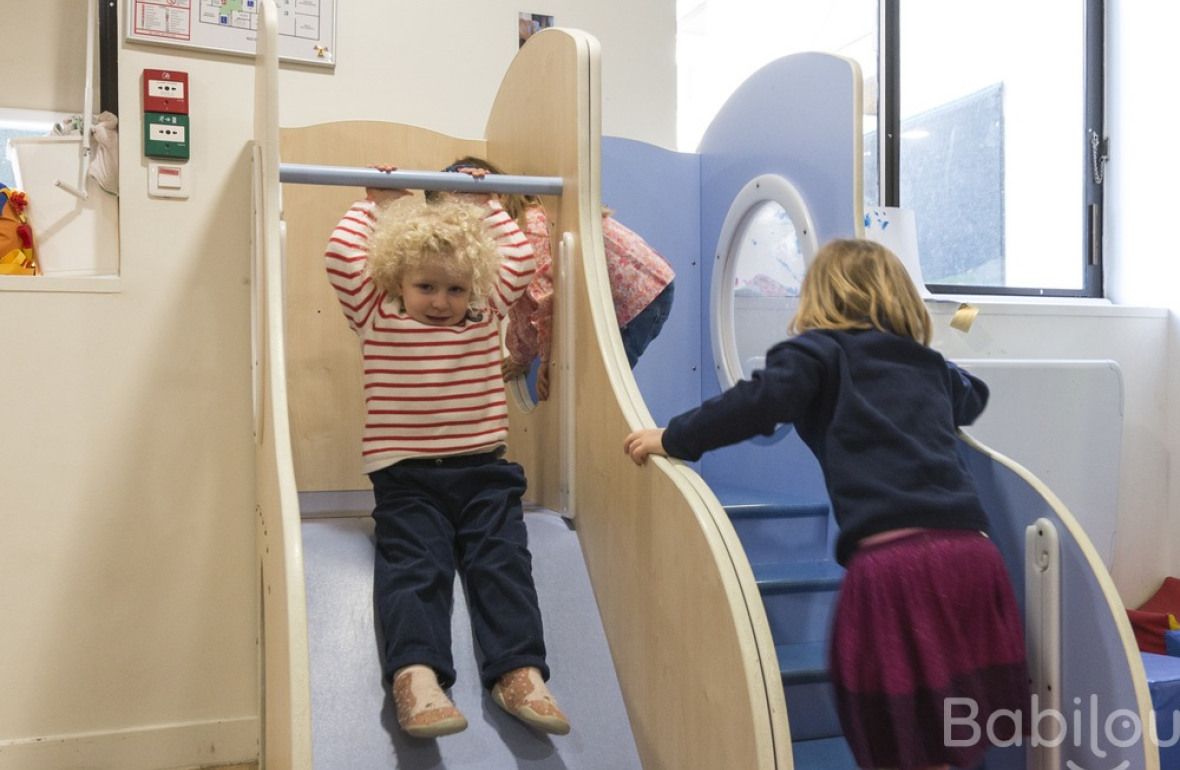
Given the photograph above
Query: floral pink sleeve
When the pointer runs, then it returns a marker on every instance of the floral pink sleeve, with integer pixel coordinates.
(637, 272)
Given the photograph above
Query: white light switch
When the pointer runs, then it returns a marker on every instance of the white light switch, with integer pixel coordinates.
(168, 180)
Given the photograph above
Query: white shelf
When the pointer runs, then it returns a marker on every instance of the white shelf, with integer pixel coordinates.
(92, 284)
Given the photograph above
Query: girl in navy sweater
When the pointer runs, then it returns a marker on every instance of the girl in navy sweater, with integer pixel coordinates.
(926, 627)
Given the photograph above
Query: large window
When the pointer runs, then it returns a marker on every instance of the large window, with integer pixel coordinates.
(991, 115)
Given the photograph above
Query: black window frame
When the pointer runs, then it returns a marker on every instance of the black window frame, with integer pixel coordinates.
(108, 56)
(1095, 149)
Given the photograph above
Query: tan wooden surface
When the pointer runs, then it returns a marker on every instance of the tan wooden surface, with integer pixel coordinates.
(537, 127)
(284, 688)
(685, 624)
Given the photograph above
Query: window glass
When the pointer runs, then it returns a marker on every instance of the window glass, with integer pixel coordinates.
(767, 273)
(766, 242)
(768, 255)
(992, 100)
(993, 118)
(719, 43)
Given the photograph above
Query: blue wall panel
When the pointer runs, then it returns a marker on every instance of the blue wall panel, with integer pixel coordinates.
(656, 193)
(797, 117)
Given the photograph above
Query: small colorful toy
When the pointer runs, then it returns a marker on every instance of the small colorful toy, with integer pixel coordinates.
(18, 253)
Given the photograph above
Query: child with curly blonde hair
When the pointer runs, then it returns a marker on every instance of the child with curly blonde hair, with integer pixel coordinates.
(424, 286)
(880, 410)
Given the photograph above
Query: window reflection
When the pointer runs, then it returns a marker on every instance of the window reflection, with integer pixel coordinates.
(767, 273)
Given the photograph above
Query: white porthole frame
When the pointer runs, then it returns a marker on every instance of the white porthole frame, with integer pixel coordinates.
(760, 189)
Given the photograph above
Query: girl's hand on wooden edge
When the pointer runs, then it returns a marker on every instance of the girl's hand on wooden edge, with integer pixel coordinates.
(644, 442)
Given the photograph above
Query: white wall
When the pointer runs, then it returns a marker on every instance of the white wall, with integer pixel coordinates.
(126, 486)
(1082, 330)
(439, 65)
(127, 537)
(50, 74)
(1142, 119)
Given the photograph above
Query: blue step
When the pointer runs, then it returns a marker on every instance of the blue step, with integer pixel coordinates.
(778, 531)
(802, 663)
(776, 510)
(799, 598)
(798, 576)
(823, 754)
(733, 495)
(788, 544)
(811, 705)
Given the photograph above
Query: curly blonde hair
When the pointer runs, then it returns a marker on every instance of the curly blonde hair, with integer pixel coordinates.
(860, 284)
(411, 233)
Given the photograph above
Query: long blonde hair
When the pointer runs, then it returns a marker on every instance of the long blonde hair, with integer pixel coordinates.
(411, 232)
(860, 284)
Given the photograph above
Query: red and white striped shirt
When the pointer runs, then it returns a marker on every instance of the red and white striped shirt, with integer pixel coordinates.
(430, 391)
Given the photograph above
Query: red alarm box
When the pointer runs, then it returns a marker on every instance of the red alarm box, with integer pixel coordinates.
(165, 91)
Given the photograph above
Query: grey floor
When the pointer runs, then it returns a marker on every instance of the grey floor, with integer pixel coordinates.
(353, 723)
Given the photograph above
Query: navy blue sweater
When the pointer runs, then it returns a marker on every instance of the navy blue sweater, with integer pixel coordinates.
(879, 411)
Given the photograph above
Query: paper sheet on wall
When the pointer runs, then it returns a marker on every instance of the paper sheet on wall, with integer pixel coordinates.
(307, 28)
(896, 229)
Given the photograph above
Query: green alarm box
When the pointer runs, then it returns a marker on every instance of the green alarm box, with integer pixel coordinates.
(165, 135)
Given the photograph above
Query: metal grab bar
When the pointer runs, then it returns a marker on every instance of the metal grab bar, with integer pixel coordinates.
(449, 181)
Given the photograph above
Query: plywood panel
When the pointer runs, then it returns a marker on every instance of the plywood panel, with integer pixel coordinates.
(687, 631)
(537, 126)
(284, 690)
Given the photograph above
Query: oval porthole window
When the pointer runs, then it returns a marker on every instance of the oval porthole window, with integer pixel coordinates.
(766, 243)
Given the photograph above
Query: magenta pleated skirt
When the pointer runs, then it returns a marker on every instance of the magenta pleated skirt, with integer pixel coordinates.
(926, 627)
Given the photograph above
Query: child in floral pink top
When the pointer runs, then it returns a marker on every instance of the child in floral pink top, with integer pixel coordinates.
(641, 283)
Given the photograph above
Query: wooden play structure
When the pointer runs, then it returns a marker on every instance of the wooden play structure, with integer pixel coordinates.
(682, 607)
(661, 565)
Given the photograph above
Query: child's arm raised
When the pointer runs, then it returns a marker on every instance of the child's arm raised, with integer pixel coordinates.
(534, 314)
(518, 263)
(346, 260)
(346, 257)
(530, 333)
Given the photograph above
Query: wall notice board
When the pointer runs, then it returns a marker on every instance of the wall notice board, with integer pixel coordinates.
(307, 28)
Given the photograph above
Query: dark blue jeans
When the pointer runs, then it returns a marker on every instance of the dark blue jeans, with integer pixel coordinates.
(433, 517)
(643, 328)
